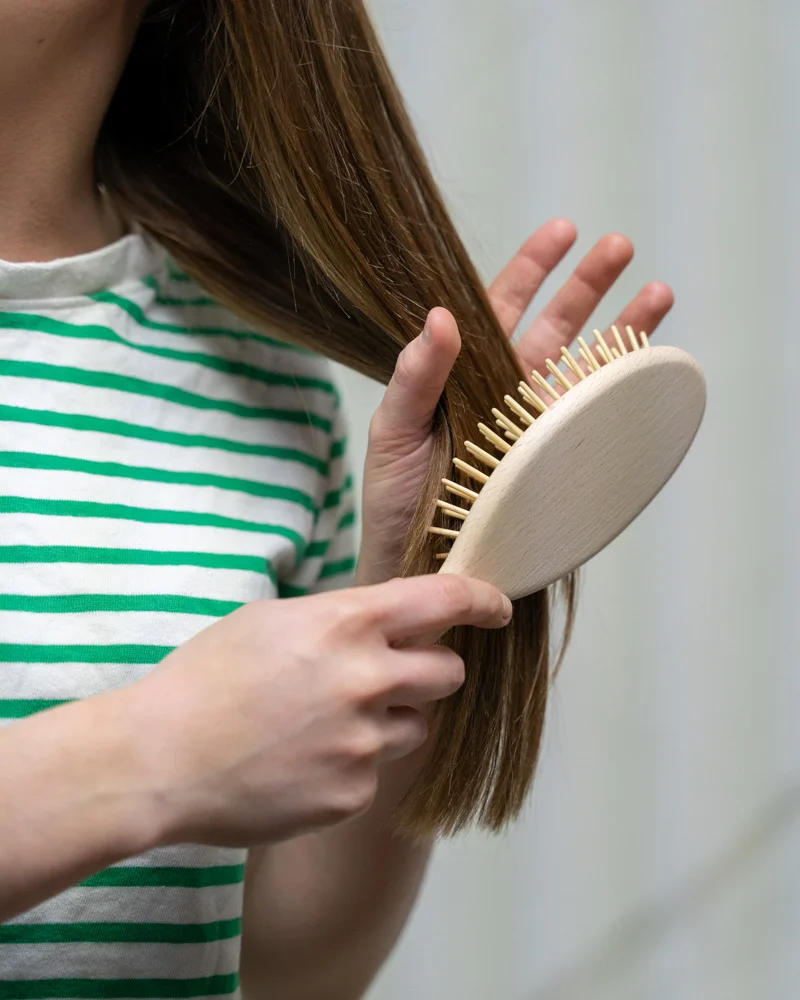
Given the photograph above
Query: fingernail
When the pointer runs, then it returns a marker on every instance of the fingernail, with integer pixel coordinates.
(508, 609)
(426, 334)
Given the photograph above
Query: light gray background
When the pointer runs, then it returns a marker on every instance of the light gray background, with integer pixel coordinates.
(660, 857)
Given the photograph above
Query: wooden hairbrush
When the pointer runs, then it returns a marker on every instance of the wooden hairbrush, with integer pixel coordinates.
(576, 462)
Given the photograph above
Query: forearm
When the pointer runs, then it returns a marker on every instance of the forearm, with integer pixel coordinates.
(73, 798)
(323, 912)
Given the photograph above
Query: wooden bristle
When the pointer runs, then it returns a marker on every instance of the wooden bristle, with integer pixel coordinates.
(520, 411)
(440, 556)
(615, 354)
(511, 429)
(605, 353)
(544, 385)
(452, 510)
(572, 364)
(530, 397)
(444, 532)
(558, 375)
(588, 356)
(644, 338)
(632, 338)
(620, 342)
(460, 491)
(481, 455)
(494, 439)
(470, 470)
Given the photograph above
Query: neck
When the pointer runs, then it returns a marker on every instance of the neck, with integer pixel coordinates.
(58, 72)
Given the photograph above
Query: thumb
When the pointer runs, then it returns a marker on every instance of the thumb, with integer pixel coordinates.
(420, 374)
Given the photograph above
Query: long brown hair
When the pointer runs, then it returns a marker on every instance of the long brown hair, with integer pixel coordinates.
(265, 144)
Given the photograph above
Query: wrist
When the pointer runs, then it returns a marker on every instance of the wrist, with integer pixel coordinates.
(128, 800)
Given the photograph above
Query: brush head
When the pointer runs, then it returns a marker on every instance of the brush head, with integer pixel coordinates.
(578, 473)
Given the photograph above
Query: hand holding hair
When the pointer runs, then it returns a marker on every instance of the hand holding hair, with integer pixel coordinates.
(267, 724)
(401, 441)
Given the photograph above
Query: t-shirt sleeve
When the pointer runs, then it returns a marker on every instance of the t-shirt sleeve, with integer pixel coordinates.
(329, 560)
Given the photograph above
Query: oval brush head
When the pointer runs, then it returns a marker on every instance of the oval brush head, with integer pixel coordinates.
(571, 467)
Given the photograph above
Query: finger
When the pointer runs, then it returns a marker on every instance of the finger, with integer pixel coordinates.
(512, 290)
(645, 313)
(420, 374)
(420, 676)
(433, 604)
(647, 309)
(565, 315)
(405, 730)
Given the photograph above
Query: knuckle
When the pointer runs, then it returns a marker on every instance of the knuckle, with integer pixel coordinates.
(454, 668)
(456, 594)
(354, 796)
(364, 744)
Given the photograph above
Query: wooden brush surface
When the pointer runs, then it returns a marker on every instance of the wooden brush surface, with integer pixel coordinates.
(582, 473)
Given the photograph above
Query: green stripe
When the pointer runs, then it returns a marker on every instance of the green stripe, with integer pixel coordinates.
(80, 603)
(19, 652)
(165, 877)
(140, 387)
(119, 428)
(176, 275)
(288, 590)
(59, 463)
(347, 521)
(95, 331)
(338, 448)
(98, 555)
(97, 932)
(164, 300)
(334, 498)
(21, 708)
(88, 508)
(116, 989)
(337, 568)
(135, 311)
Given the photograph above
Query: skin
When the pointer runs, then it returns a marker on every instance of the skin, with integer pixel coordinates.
(323, 907)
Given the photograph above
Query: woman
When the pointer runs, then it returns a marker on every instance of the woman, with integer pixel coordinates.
(170, 463)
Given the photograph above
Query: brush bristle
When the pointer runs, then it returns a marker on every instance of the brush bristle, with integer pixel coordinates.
(539, 396)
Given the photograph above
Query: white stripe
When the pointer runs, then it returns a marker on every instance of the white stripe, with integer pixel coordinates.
(101, 532)
(189, 581)
(65, 680)
(45, 484)
(207, 382)
(120, 961)
(100, 628)
(108, 404)
(99, 447)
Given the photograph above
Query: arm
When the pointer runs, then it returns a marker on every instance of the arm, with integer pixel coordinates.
(75, 798)
(323, 911)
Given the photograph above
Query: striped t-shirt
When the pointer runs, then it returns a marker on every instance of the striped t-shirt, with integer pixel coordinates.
(160, 464)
